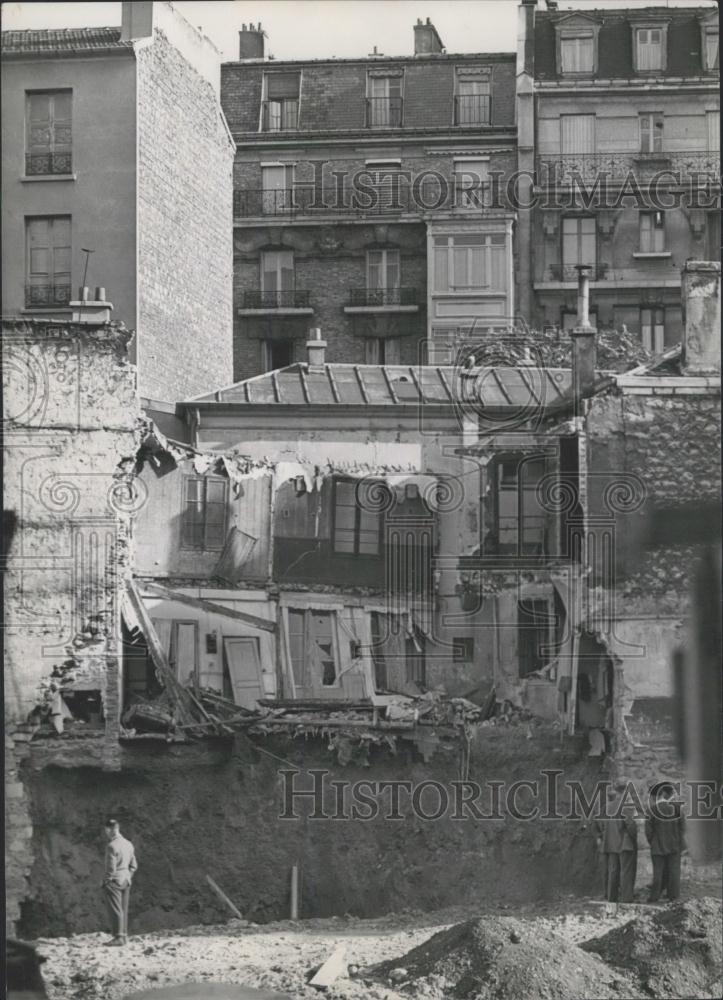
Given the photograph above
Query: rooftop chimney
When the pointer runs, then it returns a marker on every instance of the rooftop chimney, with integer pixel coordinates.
(95, 310)
(583, 339)
(251, 41)
(136, 20)
(316, 349)
(426, 40)
(701, 317)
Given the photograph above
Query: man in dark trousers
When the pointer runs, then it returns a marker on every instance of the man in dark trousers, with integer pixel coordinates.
(120, 867)
(620, 847)
(665, 831)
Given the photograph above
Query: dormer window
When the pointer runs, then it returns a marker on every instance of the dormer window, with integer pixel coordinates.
(576, 45)
(709, 43)
(281, 102)
(649, 47)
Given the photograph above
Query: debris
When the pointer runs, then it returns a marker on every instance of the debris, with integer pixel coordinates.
(332, 969)
(224, 898)
(398, 975)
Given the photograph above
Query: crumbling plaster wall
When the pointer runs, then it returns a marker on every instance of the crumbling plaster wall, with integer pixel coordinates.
(71, 426)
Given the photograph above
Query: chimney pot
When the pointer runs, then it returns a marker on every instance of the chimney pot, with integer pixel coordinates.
(251, 42)
(426, 39)
(316, 349)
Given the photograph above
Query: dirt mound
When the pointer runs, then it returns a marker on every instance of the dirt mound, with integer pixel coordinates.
(675, 952)
(499, 958)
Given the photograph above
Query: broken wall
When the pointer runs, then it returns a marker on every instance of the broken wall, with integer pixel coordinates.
(71, 425)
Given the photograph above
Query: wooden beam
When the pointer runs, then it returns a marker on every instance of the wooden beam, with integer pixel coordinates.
(216, 609)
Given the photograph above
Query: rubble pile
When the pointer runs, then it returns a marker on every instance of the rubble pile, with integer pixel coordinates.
(499, 958)
(673, 952)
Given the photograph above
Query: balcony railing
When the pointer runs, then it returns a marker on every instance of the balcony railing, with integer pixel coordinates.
(472, 109)
(563, 168)
(47, 295)
(48, 163)
(383, 297)
(294, 298)
(280, 116)
(569, 272)
(384, 112)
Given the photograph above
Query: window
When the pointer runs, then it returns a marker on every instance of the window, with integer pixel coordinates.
(472, 103)
(384, 101)
(277, 354)
(277, 278)
(579, 245)
(577, 53)
(649, 49)
(520, 519)
(652, 232)
(712, 120)
(652, 329)
(281, 104)
(577, 134)
(534, 635)
(462, 649)
(277, 180)
(48, 132)
(313, 647)
(710, 47)
(383, 272)
(381, 351)
(651, 133)
(469, 262)
(470, 182)
(356, 531)
(203, 524)
(47, 261)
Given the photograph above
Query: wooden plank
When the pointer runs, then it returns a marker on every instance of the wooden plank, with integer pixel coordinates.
(217, 609)
(223, 897)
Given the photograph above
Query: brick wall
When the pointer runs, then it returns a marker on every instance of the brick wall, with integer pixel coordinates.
(333, 94)
(185, 161)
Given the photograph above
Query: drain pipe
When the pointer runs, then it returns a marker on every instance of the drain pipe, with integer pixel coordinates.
(294, 914)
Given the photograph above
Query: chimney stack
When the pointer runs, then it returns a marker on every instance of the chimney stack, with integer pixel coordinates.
(87, 310)
(136, 20)
(316, 350)
(251, 42)
(701, 317)
(583, 339)
(426, 40)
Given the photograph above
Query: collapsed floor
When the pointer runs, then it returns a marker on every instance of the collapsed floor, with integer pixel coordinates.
(213, 809)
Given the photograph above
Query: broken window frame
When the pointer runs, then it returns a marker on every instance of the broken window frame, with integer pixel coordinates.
(190, 526)
(301, 673)
(361, 518)
(519, 549)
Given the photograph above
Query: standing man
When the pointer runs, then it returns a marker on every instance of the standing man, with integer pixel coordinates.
(619, 844)
(120, 867)
(665, 831)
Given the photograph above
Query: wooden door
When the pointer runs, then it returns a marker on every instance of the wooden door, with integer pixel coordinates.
(244, 667)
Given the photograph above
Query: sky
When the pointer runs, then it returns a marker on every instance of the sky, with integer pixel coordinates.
(312, 29)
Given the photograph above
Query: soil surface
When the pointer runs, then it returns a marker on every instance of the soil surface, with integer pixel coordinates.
(505, 952)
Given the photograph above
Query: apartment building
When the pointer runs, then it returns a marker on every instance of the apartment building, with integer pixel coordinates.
(369, 200)
(103, 186)
(618, 114)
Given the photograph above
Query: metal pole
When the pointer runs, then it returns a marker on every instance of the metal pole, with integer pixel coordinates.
(294, 892)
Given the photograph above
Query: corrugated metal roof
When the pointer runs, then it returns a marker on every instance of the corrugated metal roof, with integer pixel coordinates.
(44, 40)
(395, 385)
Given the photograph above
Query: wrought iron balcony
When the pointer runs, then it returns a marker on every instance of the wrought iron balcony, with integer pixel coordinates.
(383, 197)
(37, 164)
(383, 297)
(569, 272)
(563, 168)
(280, 116)
(384, 112)
(293, 298)
(47, 295)
(472, 109)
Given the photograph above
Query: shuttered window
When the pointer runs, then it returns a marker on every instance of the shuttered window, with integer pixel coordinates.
(651, 133)
(712, 119)
(649, 49)
(47, 261)
(48, 132)
(576, 54)
(203, 520)
(313, 647)
(710, 52)
(652, 232)
(579, 242)
(577, 134)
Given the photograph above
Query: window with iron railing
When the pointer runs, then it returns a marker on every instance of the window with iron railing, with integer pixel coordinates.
(384, 101)
(472, 102)
(281, 298)
(383, 296)
(48, 132)
(47, 261)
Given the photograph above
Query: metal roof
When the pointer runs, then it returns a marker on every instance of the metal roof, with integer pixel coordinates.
(69, 40)
(395, 385)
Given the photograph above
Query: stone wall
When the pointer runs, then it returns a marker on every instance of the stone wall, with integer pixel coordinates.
(185, 158)
(70, 437)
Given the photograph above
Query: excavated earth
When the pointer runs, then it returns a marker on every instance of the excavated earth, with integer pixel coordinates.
(569, 948)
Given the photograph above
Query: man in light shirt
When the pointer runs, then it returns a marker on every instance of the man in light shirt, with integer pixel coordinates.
(120, 867)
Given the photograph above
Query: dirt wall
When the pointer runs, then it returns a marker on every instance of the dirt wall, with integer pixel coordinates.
(201, 810)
